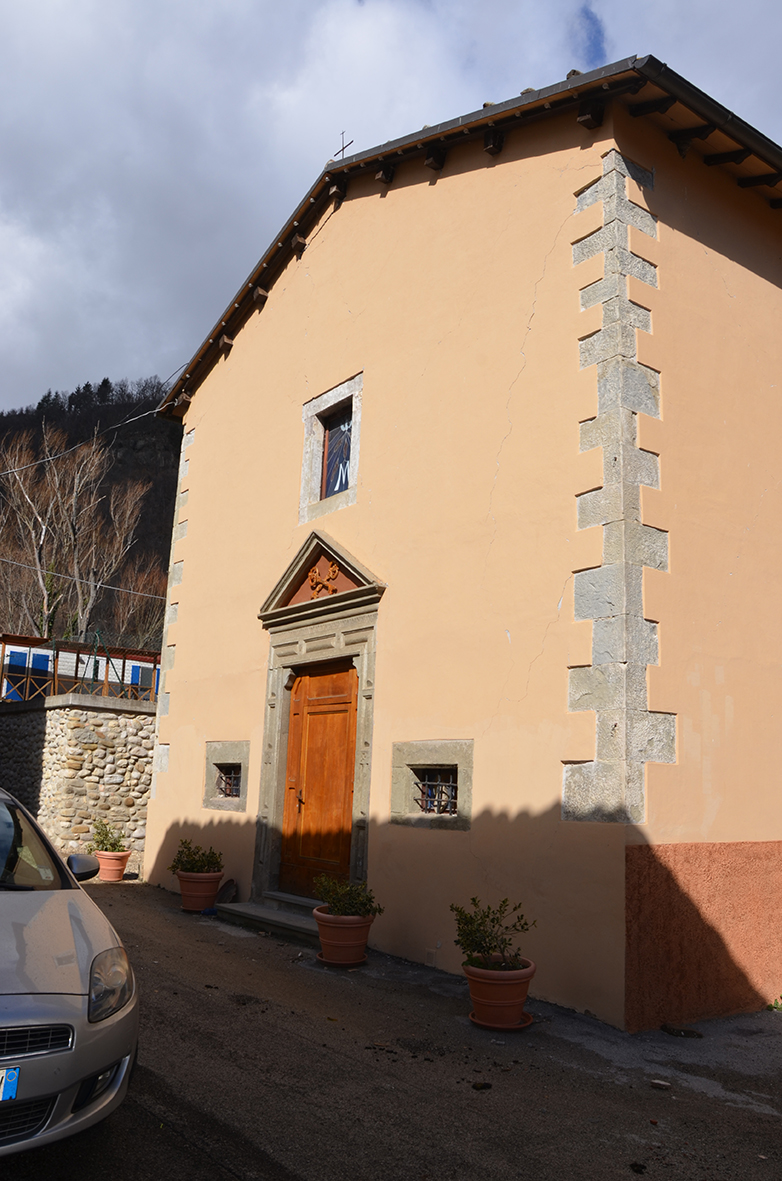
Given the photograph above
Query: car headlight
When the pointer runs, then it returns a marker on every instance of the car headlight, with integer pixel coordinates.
(111, 983)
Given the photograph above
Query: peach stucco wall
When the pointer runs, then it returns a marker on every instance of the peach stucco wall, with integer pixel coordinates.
(717, 343)
(456, 296)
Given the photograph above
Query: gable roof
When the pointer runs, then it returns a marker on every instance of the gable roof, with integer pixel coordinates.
(688, 115)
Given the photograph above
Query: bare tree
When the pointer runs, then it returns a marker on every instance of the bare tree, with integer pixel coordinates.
(65, 526)
(97, 531)
(31, 535)
(137, 618)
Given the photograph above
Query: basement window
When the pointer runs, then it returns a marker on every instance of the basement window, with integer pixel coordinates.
(431, 783)
(436, 789)
(226, 774)
(229, 780)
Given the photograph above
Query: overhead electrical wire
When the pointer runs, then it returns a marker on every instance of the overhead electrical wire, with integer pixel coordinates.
(69, 578)
(48, 459)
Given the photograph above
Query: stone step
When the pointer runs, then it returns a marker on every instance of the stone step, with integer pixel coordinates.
(300, 927)
(294, 903)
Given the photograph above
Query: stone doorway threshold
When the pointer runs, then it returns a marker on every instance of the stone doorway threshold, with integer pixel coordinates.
(281, 914)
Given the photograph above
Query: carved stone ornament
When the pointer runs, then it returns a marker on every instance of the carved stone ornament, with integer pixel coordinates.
(319, 584)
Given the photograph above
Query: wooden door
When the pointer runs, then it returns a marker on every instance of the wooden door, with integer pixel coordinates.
(318, 812)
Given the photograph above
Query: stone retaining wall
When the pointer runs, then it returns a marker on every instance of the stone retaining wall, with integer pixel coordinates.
(71, 760)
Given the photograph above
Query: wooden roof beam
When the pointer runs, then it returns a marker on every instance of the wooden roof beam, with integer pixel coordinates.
(765, 178)
(737, 157)
(655, 106)
(683, 136)
(493, 141)
(435, 159)
(591, 112)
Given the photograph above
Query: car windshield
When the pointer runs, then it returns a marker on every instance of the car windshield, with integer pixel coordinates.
(25, 862)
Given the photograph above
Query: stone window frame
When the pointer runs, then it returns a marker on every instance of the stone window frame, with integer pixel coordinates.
(220, 754)
(314, 412)
(454, 752)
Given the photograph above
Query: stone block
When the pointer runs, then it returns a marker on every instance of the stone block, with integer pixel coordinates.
(603, 290)
(611, 735)
(635, 686)
(591, 195)
(593, 791)
(616, 206)
(626, 638)
(614, 161)
(607, 238)
(641, 467)
(651, 737)
(623, 383)
(599, 592)
(615, 340)
(596, 687)
(599, 506)
(635, 804)
(626, 263)
(621, 310)
(646, 546)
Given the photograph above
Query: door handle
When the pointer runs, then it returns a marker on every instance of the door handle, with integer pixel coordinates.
(299, 800)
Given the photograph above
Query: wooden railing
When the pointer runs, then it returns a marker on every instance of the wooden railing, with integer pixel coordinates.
(35, 668)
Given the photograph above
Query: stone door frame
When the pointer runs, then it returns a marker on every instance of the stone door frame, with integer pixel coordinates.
(342, 626)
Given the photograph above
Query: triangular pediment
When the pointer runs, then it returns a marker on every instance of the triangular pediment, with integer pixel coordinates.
(322, 576)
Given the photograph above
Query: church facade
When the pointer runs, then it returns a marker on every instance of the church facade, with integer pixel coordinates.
(475, 573)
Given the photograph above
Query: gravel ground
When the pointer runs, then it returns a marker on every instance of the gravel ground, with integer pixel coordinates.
(258, 1062)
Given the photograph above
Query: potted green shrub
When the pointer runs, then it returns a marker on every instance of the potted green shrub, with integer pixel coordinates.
(496, 971)
(200, 872)
(344, 918)
(109, 848)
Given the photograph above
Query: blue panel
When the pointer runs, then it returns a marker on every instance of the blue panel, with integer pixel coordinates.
(41, 661)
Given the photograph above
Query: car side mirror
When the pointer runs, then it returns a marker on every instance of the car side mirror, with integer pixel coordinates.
(83, 866)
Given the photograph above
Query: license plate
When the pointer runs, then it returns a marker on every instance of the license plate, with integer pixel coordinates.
(9, 1080)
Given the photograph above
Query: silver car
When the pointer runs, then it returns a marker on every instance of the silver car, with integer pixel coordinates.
(68, 999)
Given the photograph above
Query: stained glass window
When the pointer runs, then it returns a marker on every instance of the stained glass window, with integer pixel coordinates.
(336, 451)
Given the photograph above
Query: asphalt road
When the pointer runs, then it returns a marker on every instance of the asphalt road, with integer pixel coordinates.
(256, 1062)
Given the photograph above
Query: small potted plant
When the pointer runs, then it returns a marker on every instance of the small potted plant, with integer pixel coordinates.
(497, 973)
(200, 872)
(344, 918)
(108, 847)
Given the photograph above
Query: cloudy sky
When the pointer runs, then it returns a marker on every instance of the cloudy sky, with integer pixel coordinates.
(150, 149)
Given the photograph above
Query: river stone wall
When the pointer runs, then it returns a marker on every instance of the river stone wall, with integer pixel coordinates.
(72, 760)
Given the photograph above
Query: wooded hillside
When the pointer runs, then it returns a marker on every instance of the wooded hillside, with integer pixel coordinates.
(63, 517)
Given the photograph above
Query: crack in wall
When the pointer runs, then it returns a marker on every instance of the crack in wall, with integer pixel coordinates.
(522, 347)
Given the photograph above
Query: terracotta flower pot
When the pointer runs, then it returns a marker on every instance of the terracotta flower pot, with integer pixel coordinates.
(198, 890)
(112, 865)
(343, 938)
(498, 996)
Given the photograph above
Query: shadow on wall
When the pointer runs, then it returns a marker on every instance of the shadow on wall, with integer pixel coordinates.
(635, 934)
(22, 739)
(225, 833)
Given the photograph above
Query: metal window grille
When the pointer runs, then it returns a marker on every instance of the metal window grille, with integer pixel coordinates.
(229, 779)
(436, 789)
